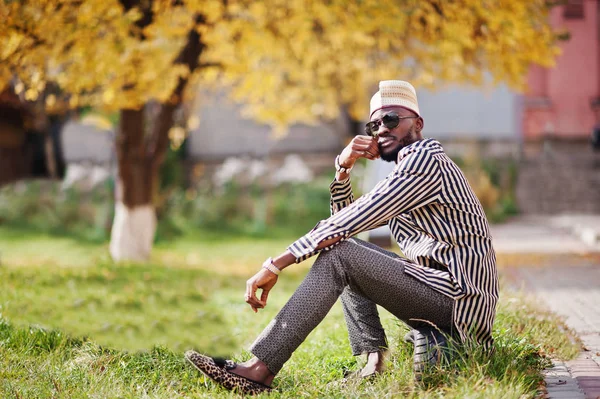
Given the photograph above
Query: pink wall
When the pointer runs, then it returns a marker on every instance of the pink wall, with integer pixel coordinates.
(558, 100)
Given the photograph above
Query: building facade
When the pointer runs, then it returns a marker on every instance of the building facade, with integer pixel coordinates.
(560, 171)
(562, 102)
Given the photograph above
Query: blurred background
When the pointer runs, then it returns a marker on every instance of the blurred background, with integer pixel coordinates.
(223, 117)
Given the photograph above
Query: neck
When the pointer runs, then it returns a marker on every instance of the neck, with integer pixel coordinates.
(411, 138)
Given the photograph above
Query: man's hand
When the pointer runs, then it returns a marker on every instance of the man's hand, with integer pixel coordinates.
(359, 147)
(264, 280)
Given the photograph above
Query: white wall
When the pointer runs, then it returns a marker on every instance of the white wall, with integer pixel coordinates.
(470, 112)
(223, 132)
(86, 143)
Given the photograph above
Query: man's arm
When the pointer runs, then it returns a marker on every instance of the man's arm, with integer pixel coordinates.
(266, 279)
(341, 196)
(415, 184)
(341, 189)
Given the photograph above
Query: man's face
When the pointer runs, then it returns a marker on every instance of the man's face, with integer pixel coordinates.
(408, 131)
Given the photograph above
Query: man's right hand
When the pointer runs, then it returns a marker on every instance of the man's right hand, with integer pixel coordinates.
(359, 147)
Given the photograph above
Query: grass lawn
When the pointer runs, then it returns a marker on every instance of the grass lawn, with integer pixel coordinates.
(73, 324)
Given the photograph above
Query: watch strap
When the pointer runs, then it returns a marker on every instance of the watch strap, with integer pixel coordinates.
(341, 168)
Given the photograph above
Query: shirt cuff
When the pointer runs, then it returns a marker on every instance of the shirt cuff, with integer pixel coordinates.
(336, 185)
(306, 246)
(303, 248)
(340, 190)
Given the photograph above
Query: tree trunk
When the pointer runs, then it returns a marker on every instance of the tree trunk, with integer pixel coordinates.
(132, 232)
(139, 160)
(134, 225)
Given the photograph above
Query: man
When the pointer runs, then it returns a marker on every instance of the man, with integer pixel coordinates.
(448, 279)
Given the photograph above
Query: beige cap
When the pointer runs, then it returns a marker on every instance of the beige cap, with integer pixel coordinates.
(395, 93)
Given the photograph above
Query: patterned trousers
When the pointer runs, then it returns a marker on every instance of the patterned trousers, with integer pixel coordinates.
(363, 275)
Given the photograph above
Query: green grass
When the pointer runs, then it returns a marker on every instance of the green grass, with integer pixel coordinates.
(73, 324)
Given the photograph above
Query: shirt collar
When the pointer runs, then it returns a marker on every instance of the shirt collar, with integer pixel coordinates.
(429, 143)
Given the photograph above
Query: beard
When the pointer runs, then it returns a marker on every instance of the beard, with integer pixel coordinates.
(391, 155)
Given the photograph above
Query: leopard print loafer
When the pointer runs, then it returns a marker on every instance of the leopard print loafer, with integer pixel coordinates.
(218, 371)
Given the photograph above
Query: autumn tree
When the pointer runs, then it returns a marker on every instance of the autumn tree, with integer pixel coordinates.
(286, 61)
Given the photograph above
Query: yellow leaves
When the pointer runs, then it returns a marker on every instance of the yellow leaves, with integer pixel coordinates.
(108, 96)
(31, 95)
(50, 101)
(11, 45)
(177, 135)
(99, 121)
(19, 87)
(287, 60)
(212, 10)
(193, 122)
(169, 24)
(133, 15)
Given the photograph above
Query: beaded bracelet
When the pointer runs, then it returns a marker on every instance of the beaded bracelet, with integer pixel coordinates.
(268, 264)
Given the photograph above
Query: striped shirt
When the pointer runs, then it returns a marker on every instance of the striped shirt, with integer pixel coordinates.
(439, 225)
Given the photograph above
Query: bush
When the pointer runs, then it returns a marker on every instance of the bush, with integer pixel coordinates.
(255, 210)
(494, 181)
(42, 205)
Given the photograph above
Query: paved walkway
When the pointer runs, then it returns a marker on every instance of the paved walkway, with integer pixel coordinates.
(558, 235)
(572, 292)
(569, 286)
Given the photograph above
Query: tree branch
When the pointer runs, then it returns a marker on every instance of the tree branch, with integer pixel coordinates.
(189, 56)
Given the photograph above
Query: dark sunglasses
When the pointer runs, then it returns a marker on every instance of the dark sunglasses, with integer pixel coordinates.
(390, 121)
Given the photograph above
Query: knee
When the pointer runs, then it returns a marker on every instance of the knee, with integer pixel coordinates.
(333, 257)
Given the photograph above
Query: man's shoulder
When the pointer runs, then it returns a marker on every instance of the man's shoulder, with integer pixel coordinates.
(424, 148)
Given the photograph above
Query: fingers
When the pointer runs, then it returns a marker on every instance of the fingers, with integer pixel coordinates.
(250, 296)
(374, 149)
(264, 281)
(369, 155)
(359, 147)
(362, 139)
(263, 297)
(368, 150)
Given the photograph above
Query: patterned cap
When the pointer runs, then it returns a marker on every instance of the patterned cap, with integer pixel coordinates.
(395, 93)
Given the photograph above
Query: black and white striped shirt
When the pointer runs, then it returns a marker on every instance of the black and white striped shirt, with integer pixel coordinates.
(439, 225)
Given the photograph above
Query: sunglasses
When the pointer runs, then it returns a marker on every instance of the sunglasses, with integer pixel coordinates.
(391, 121)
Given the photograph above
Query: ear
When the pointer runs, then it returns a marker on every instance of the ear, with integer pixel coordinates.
(420, 123)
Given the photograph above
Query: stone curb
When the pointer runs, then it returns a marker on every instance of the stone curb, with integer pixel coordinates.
(560, 384)
(575, 379)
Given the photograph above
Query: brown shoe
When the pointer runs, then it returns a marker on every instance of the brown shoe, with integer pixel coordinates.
(218, 371)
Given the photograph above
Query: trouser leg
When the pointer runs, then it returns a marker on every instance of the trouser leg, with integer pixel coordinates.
(365, 332)
(370, 273)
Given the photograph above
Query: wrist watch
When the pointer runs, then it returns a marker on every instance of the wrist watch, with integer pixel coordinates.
(268, 264)
(341, 168)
